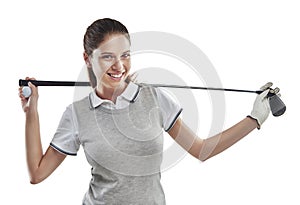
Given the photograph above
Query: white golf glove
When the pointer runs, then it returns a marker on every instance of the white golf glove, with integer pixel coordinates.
(261, 107)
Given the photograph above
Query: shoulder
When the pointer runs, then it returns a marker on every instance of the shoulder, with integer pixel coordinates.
(165, 95)
(84, 102)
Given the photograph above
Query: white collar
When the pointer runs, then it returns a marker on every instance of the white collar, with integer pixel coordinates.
(130, 94)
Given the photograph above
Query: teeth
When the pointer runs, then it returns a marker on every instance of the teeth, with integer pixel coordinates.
(116, 75)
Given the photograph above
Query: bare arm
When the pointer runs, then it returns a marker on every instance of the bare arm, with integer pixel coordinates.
(40, 165)
(204, 149)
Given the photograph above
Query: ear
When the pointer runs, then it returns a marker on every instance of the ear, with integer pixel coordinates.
(87, 60)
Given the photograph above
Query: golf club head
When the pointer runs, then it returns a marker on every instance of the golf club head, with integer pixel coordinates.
(276, 104)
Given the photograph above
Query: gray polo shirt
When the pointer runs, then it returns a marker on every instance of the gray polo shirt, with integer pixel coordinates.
(123, 143)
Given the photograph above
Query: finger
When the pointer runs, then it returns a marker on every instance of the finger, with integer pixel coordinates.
(134, 76)
(276, 90)
(131, 78)
(32, 86)
(20, 91)
(266, 86)
(264, 94)
(20, 95)
(24, 100)
(28, 78)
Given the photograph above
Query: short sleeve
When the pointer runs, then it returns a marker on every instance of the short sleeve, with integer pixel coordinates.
(65, 139)
(170, 109)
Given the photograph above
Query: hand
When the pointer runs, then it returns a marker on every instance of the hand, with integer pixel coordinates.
(132, 78)
(261, 108)
(31, 102)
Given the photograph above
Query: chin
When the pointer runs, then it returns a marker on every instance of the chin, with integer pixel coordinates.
(115, 82)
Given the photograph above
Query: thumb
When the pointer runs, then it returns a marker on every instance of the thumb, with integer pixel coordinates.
(264, 94)
(33, 88)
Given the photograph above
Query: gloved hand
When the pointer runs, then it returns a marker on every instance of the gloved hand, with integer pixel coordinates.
(261, 107)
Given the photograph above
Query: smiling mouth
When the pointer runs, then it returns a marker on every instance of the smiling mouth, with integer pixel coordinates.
(116, 76)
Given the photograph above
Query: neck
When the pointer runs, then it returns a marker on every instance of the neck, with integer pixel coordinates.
(109, 93)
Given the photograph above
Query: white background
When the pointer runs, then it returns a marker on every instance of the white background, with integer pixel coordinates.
(248, 42)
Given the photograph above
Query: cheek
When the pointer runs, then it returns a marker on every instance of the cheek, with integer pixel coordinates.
(100, 69)
(104, 66)
(127, 64)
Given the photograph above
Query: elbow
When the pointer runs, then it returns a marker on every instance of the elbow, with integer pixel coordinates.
(203, 156)
(206, 152)
(202, 159)
(33, 182)
(35, 179)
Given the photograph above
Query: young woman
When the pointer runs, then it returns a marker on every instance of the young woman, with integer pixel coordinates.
(120, 124)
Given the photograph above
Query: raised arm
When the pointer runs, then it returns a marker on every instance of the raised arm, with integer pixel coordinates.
(40, 165)
(204, 149)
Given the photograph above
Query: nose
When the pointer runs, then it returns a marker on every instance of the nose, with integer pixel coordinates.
(118, 65)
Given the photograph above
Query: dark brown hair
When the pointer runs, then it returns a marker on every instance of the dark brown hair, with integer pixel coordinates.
(96, 33)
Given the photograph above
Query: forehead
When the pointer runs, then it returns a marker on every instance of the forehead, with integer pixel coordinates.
(114, 43)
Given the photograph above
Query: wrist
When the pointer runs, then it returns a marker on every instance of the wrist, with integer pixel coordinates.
(255, 121)
(30, 110)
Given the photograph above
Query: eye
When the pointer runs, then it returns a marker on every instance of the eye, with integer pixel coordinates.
(107, 57)
(125, 56)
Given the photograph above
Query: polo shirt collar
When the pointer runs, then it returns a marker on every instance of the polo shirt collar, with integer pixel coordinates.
(130, 94)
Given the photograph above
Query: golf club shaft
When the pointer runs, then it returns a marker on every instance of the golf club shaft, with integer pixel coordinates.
(201, 88)
(276, 104)
(74, 83)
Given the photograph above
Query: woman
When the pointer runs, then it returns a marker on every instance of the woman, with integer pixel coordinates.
(119, 125)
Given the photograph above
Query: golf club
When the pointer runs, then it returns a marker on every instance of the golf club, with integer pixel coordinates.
(276, 104)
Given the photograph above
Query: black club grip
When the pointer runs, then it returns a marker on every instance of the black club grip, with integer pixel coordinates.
(52, 83)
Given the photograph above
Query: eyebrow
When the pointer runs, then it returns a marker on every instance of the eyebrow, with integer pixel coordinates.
(103, 53)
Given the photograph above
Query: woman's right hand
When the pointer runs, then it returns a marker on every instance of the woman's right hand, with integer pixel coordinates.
(29, 103)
